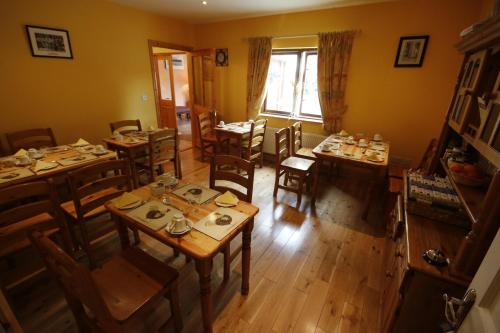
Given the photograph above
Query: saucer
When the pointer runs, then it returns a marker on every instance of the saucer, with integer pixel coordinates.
(99, 152)
(325, 149)
(22, 164)
(362, 145)
(170, 226)
(376, 159)
(349, 142)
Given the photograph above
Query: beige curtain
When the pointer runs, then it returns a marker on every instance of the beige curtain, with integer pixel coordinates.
(259, 57)
(334, 52)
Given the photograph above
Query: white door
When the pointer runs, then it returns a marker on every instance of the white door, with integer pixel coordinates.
(484, 316)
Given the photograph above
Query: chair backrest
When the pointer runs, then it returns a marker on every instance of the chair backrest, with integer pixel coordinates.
(75, 280)
(425, 163)
(31, 138)
(282, 142)
(163, 148)
(257, 133)
(205, 124)
(296, 137)
(23, 201)
(228, 168)
(126, 126)
(107, 175)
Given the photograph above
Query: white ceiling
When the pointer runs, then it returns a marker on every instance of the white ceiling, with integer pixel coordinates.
(193, 11)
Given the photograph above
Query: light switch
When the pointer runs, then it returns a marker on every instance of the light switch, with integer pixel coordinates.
(144, 98)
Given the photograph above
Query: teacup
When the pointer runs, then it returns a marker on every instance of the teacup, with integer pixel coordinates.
(377, 137)
(117, 135)
(157, 188)
(99, 148)
(326, 147)
(179, 223)
(25, 159)
(362, 142)
(221, 123)
(32, 152)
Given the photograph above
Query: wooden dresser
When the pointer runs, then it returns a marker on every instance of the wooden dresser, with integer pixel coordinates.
(412, 297)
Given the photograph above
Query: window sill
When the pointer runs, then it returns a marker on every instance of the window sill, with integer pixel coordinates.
(304, 119)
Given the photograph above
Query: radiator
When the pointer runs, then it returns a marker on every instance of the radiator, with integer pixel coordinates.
(308, 140)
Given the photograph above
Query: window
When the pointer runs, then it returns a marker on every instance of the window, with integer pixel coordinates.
(292, 88)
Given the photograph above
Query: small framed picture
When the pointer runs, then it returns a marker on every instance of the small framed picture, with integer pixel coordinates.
(411, 51)
(49, 42)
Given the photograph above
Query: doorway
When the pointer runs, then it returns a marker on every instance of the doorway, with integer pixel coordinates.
(172, 91)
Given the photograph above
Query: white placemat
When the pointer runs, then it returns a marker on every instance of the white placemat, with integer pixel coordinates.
(6, 177)
(188, 191)
(208, 225)
(76, 159)
(140, 214)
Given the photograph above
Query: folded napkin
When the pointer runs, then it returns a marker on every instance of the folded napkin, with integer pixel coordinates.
(41, 165)
(21, 152)
(227, 199)
(126, 199)
(80, 143)
(343, 133)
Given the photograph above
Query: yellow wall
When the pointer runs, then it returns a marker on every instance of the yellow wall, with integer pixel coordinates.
(406, 106)
(105, 80)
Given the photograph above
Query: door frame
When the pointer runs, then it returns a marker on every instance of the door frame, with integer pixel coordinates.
(166, 45)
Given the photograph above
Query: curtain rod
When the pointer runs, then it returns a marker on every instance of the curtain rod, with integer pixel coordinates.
(304, 36)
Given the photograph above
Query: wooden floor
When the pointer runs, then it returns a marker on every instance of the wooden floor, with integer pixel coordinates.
(311, 271)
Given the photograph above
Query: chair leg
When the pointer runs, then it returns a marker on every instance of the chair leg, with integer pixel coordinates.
(286, 178)
(86, 244)
(276, 183)
(299, 192)
(174, 307)
(176, 252)
(227, 262)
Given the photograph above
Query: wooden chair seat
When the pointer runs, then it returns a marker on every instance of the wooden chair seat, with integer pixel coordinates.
(297, 163)
(69, 206)
(14, 237)
(131, 279)
(117, 297)
(305, 153)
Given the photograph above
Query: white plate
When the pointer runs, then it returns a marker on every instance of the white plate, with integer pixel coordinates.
(48, 167)
(220, 204)
(361, 145)
(132, 205)
(19, 163)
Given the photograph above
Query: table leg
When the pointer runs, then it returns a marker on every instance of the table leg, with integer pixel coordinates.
(133, 169)
(204, 269)
(246, 253)
(122, 231)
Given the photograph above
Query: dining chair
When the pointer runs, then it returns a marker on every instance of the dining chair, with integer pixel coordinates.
(296, 142)
(163, 147)
(208, 138)
(126, 126)
(293, 168)
(251, 146)
(91, 187)
(119, 295)
(25, 207)
(232, 173)
(31, 138)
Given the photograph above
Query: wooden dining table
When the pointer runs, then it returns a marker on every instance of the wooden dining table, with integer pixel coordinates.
(195, 244)
(353, 154)
(237, 131)
(131, 146)
(54, 155)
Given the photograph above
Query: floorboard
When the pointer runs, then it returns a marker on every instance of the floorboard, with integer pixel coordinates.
(312, 270)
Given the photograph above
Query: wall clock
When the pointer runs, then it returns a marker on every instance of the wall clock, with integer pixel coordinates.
(221, 57)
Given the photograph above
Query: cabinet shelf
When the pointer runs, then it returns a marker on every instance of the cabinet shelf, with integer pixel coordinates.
(471, 197)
